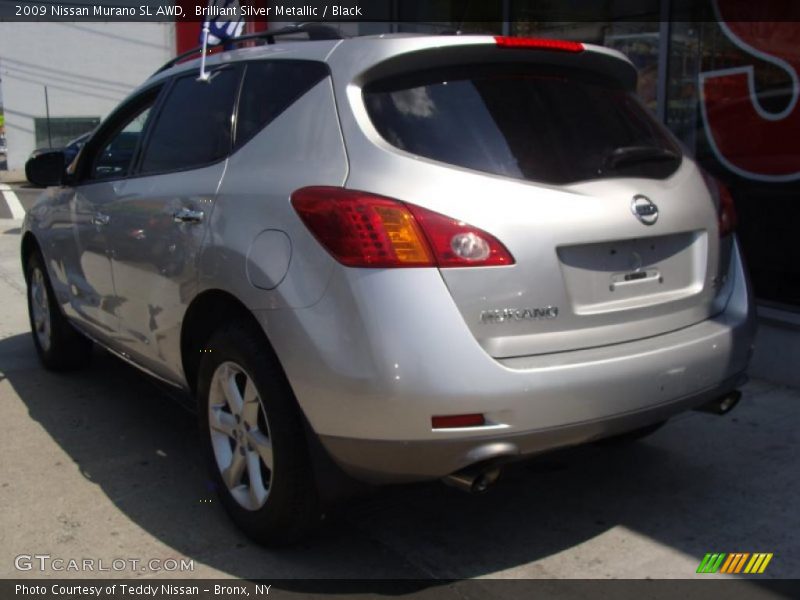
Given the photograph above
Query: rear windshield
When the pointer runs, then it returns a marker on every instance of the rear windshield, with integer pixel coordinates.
(532, 123)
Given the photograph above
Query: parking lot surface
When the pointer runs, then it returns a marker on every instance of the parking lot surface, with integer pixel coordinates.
(102, 464)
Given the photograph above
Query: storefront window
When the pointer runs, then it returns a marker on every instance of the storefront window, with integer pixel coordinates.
(747, 135)
(56, 132)
(638, 40)
(682, 94)
(640, 43)
(467, 17)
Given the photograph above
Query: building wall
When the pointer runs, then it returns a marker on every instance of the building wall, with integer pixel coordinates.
(88, 69)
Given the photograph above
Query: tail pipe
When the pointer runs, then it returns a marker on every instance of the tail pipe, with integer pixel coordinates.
(722, 405)
(479, 478)
(473, 480)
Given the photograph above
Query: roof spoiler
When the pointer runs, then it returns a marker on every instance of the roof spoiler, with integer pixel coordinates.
(488, 50)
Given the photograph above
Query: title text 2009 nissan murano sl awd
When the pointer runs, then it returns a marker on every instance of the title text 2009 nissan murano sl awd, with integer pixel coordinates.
(402, 258)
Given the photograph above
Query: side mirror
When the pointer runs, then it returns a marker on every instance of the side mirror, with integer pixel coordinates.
(46, 169)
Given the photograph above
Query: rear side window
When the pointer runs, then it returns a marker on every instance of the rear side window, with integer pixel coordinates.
(531, 123)
(193, 127)
(269, 89)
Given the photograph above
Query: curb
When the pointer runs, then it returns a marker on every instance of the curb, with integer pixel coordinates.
(13, 176)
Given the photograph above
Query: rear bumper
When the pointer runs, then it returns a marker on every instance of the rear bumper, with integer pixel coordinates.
(369, 373)
(377, 461)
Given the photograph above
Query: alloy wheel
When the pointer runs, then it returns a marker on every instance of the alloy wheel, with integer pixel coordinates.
(240, 436)
(40, 309)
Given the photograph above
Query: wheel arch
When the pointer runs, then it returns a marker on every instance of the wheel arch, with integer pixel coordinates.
(207, 312)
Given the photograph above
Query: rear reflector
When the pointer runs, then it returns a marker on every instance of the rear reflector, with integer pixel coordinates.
(506, 41)
(454, 421)
(365, 230)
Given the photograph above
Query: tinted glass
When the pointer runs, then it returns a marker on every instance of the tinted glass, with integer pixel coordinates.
(116, 152)
(116, 155)
(528, 123)
(269, 89)
(193, 127)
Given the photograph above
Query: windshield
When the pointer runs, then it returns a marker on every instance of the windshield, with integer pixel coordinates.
(533, 123)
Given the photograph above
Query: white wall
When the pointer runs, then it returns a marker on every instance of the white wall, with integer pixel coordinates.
(88, 69)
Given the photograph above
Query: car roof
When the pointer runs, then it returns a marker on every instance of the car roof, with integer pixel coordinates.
(357, 54)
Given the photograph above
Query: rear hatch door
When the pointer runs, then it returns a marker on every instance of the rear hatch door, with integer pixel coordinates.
(612, 229)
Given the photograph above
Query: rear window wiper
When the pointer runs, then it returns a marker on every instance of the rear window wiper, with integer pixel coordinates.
(626, 155)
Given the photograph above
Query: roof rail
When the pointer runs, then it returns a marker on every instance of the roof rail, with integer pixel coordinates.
(314, 31)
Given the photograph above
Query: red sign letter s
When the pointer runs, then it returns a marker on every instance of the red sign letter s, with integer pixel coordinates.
(749, 140)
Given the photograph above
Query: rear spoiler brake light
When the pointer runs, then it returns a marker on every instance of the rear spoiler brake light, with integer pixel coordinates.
(506, 41)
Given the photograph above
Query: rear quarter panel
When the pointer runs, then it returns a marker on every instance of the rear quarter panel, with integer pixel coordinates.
(302, 147)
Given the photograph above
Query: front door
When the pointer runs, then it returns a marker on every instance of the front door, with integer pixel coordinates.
(105, 167)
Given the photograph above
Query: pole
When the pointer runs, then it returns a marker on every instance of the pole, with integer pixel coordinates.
(47, 111)
(664, 33)
(206, 30)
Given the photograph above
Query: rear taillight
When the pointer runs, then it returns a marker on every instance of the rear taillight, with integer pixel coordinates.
(506, 41)
(457, 244)
(364, 230)
(726, 210)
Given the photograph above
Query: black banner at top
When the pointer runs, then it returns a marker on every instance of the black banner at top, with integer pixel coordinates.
(452, 12)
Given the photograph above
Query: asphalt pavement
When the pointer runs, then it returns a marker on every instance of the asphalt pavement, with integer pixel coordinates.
(102, 464)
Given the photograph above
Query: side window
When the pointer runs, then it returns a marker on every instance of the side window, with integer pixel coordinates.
(115, 150)
(116, 157)
(193, 127)
(269, 88)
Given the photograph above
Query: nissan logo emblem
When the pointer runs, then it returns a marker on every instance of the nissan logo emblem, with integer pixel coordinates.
(644, 209)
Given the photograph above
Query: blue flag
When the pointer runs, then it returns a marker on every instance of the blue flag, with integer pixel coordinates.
(222, 25)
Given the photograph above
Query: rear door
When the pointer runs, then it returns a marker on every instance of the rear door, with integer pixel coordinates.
(612, 229)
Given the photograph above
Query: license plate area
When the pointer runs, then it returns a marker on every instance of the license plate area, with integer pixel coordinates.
(634, 273)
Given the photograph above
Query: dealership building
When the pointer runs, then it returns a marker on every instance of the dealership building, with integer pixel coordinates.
(58, 80)
(728, 89)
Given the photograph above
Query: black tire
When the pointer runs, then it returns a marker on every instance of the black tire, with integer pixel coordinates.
(292, 507)
(65, 348)
(630, 437)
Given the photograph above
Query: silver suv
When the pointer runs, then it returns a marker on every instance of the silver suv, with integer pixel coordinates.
(399, 258)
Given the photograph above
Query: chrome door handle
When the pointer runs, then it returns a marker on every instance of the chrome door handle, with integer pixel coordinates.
(187, 215)
(100, 219)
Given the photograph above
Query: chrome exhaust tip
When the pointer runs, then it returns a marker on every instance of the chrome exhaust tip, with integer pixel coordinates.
(473, 480)
(723, 405)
